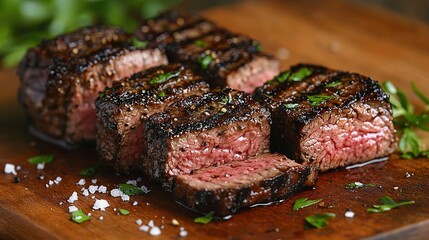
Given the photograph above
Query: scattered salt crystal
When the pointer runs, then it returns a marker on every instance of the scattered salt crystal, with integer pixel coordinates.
(40, 166)
(89, 214)
(151, 224)
(407, 174)
(174, 222)
(41, 177)
(358, 184)
(396, 188)
(18, 168)
(135, 203)
(59, 179)
(132, 182)
(61, 203)
(144, 189)
(92, 189)
(116, 192)
(102, 189)
(114, 209)
(47, 185)
(139, 221)
(9, 169)
(73, 197)
(349, 214)
(125, 198)
(144, 228)
(85, 192)
(81, 182)
(101, 218)
(94, 181)
(182, 228)
(73, 208)
(155, 231)
(183, 233)
(92, 197)
(100, 204)
(51, 182)
(139, 179)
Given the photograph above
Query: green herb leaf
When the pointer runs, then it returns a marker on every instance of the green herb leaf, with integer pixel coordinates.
(205, 61)
(88, 172)
(419, 94)
(123, 211)
(101, 94)
(79, 217)
(300, 74)
(139, 44)
(200, 43)
(291, 105)
(130, 189)
(356, 185)
(259, 47)
(283, 76)
(318, 99)
(387, 205)
(204, 219)
(164, 77)
(41, 159)
(161, 94)
(333, 84)
(226, 99)
(319, 220)
(304, 202)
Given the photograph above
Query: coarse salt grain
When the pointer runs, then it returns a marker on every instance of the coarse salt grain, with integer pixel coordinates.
(151, 223)
(73, 198)
(73, 208)
(81, 182)
(139, 221)
(155, 231)
(125, 198)
(132, 182)
(395, 188)
(51, 182)
(349, 214)
(18, 168)
(92, 189)
(116, 192)
(94, 181)
(47, 185)
(135, 203)
(101, 218)
(174, 222)
(59, 179)
(9, 168)
(40, 166)
(144, 189)
(102, 189)
(144, 228)
(100, 204)
(183, 233)
(85, 192)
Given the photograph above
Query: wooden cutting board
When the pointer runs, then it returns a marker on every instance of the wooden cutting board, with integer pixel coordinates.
(355, 38)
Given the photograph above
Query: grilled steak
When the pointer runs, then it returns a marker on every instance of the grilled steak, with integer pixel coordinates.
(123, 108)
(328, 118)
(229, 187)
(228, 59)
(201, 131)
(61, 78)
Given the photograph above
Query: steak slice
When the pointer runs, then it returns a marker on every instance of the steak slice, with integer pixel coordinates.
(328, 118)
(201, 131)
(226, 188)
(228, 59)
(123, 108)
(60, 80)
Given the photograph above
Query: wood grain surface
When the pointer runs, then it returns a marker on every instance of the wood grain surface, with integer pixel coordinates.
(356, 38)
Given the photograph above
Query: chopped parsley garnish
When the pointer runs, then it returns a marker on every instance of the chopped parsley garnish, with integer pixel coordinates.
(387, 204)
(296, 76)
(304, 202)
(123, 211)
(161, 94)
(259, 47)
(139, 44)
(205, 61)
(333, 84)
(164, 77)
(319, 220)
(130, 189)
(101, 94)
(41, 159)
(407, 121)
(291, 105)
(204, 219)
(88, 172)
(225, 99)
(316, 100)
(200, 43)
(356, 185)
(79, 217)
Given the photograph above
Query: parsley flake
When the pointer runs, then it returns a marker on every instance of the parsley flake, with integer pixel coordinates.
(226, 99)
(200, 43)
(356, 185)
(164, 77)
(304, 202)
(259, 47)
(41, 159)
(319, 220)
(387, 205)
(161, 95)
(333, 84)
(205, 61)
(283, 76)
(130, 189)
(300, 74)
(139, 44)
(79, 217)
(101, 94)
(88, 172)
(204, 219)
(316, 100)
(123, 211)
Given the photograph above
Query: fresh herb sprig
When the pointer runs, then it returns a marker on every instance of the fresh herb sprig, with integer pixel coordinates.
(387, 204)
(41, 159)
(79, 217)
(407, 121)
(130, 189)
(164, 77)
(124, 211)
(204, 219)
(319, 220)
(316, 100)
(304, 202)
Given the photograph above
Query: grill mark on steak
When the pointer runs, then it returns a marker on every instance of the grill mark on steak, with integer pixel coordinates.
(351, 123)
(229, 187)
(123, 108)
(215, 128)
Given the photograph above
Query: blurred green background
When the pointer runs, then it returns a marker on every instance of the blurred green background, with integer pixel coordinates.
(23, 23)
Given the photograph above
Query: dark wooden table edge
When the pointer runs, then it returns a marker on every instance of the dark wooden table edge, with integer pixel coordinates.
(418, 230)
